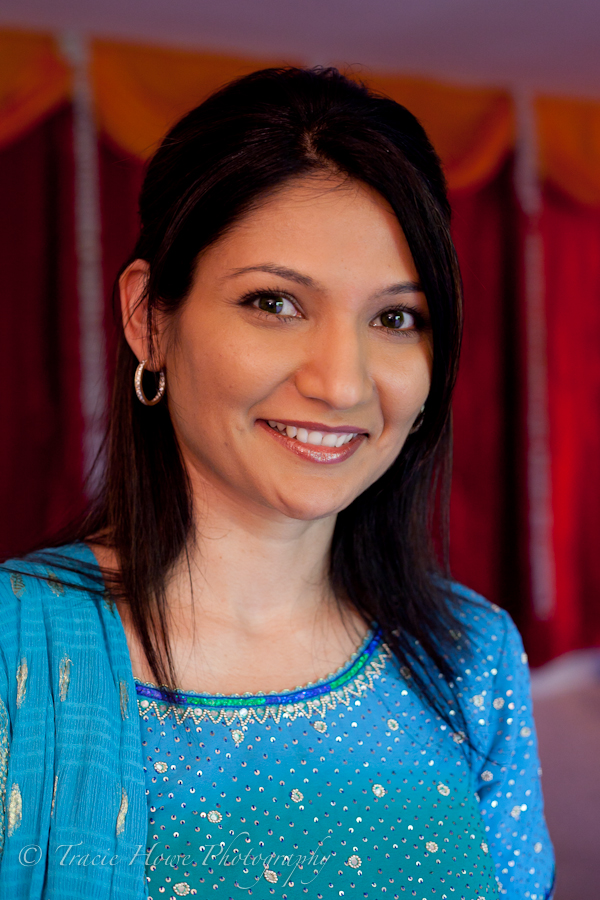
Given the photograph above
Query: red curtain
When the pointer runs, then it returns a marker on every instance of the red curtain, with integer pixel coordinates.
(571, 241)
(486, 537)
(120, 181)
(40, 449)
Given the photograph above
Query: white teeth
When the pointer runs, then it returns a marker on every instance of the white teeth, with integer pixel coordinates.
(316, 438)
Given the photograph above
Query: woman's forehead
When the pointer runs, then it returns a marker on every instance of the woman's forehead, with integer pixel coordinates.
(316, 226)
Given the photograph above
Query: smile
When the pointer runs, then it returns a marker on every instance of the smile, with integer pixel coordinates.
(317, 445)
(316, 438)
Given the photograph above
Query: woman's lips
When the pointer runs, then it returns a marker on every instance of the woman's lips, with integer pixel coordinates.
(311, 451)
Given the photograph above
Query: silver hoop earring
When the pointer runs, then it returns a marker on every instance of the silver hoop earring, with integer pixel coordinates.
(418, 420)
(139, 390)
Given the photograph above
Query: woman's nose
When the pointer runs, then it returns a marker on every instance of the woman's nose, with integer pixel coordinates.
(335, 369)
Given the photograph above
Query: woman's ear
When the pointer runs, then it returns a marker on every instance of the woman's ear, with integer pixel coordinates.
(134, 308)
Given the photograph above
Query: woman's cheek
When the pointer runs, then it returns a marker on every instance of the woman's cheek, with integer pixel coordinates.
(401, 398)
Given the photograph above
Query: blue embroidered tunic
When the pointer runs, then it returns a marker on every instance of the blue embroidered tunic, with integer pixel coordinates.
(347, 787)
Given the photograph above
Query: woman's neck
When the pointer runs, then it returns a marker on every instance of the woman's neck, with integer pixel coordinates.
(249, 603)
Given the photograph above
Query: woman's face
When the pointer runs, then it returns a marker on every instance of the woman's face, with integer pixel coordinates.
(303, 354)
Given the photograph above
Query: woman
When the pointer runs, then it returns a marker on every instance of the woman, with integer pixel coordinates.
(279, 435)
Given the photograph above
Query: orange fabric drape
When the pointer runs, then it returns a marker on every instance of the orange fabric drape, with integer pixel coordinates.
(33, 80)
(569, 143)
(473, 129)
(141, 91)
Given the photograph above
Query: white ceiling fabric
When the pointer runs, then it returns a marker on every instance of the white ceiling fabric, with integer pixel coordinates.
(550, 46)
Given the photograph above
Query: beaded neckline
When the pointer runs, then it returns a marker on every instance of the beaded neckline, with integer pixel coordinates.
(351, 680)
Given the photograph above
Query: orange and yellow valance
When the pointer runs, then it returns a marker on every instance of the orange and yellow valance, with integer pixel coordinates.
(140, 91)
(569, 142)
(34, 79)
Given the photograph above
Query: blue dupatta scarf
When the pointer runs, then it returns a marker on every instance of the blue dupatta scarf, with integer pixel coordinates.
(73, 811)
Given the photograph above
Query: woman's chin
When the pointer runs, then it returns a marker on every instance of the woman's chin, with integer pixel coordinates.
(307, 508)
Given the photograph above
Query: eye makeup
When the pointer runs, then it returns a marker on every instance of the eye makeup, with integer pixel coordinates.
(276, 300)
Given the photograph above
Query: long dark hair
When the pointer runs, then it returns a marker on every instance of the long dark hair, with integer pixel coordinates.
(244, 141)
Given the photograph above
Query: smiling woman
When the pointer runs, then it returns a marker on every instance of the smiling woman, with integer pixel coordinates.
(288, 320)
(320, 708)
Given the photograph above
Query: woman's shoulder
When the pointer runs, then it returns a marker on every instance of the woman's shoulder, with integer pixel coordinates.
(486, 630)
(41, 579)
(478, 613)
(69, 565)
(52, 602)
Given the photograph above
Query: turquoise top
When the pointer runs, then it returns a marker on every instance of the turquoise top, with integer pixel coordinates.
(346, 787)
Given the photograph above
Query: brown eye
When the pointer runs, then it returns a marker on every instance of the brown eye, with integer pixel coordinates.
(276, 305)
(270, 304)
(397, 319)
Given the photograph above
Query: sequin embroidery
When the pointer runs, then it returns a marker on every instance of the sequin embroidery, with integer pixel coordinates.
(381, 800)
(347, 685)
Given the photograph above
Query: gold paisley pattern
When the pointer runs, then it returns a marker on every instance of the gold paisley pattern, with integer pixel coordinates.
(109, 603)
(124, 699)
(22, 673)
(4, 750)
(54, 795)
(17, 584)
(15, 809)
(64, 677)
(122, 812)
(55, 584)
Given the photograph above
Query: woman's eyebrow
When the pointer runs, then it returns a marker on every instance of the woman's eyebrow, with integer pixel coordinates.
(402, 287)
(393, 290)
(281, 271)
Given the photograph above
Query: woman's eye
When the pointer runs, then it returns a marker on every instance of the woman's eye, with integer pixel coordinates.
(278, 305)
(397, 319)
